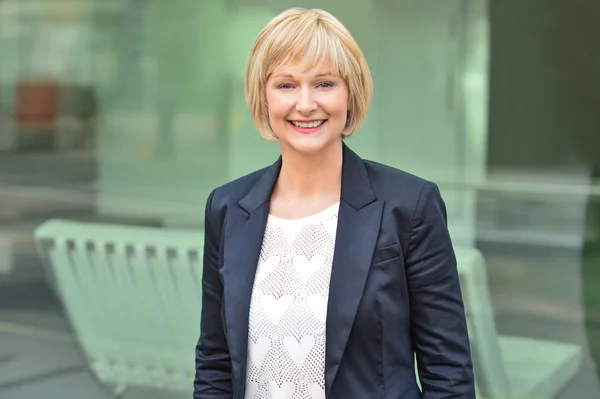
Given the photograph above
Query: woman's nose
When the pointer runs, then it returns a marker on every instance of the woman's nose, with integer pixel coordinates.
(306, 103)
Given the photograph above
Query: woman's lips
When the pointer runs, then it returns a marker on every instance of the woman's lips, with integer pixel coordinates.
(307, 130)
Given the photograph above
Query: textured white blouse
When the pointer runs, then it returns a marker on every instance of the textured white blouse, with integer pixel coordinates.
(288, 309)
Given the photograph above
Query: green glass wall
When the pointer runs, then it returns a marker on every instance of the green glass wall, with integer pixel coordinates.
(118, 117)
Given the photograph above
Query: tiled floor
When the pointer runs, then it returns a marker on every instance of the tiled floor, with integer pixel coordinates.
(42, 363)
(35, 357)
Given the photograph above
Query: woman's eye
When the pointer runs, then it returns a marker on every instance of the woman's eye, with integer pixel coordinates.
(326, 85)
(284, 86)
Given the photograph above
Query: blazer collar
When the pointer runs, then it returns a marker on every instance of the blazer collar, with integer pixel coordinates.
(356, 186)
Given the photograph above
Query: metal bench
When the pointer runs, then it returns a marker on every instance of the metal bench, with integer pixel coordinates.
(133, 298)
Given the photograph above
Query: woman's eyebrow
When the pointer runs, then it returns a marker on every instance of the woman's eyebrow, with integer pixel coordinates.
(287, 75)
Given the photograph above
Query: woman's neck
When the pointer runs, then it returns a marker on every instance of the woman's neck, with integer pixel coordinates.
(318, 176)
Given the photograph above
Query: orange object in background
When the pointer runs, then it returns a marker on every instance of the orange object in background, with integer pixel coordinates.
(36, 108)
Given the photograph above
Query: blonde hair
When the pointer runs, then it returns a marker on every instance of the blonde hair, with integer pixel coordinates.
(306, 38)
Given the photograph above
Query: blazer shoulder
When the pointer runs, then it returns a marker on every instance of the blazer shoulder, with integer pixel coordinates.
(232, 192)
(405, 194)
(389, 183)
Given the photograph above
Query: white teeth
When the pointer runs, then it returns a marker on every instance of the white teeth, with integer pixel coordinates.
(308, 124)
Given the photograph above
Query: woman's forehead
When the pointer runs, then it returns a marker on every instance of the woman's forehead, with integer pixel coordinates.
(295, 69)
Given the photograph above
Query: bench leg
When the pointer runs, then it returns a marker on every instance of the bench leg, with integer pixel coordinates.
(120, 390)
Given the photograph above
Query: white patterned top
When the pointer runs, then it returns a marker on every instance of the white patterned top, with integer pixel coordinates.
(288, 309)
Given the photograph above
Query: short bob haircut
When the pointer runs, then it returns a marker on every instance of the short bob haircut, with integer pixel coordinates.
(306, 38)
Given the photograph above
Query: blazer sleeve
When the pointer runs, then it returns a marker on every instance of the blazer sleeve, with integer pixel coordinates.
(213, 363)
(438, 323)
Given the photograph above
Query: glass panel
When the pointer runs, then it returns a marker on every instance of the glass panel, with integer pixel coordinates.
(118, 118)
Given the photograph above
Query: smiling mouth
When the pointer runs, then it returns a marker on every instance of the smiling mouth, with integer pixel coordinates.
(308, 125)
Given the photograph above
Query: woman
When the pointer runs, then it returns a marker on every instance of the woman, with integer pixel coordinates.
(324, 273)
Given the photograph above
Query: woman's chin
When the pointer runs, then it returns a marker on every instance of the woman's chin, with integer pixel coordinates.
(309, 146)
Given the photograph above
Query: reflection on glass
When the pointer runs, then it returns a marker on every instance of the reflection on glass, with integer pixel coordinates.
(118, 117)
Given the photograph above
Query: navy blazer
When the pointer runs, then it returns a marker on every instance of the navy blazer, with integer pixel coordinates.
(394, 288)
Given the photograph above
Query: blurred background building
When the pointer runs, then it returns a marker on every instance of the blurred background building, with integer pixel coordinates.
(118, 117)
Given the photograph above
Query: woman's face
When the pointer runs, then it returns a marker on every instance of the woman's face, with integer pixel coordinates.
(307, 110)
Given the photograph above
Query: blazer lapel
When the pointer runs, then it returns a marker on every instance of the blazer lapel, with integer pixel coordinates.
(244, 230)
(359, 221)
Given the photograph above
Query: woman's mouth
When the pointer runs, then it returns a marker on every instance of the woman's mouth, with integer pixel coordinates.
(307, 126)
